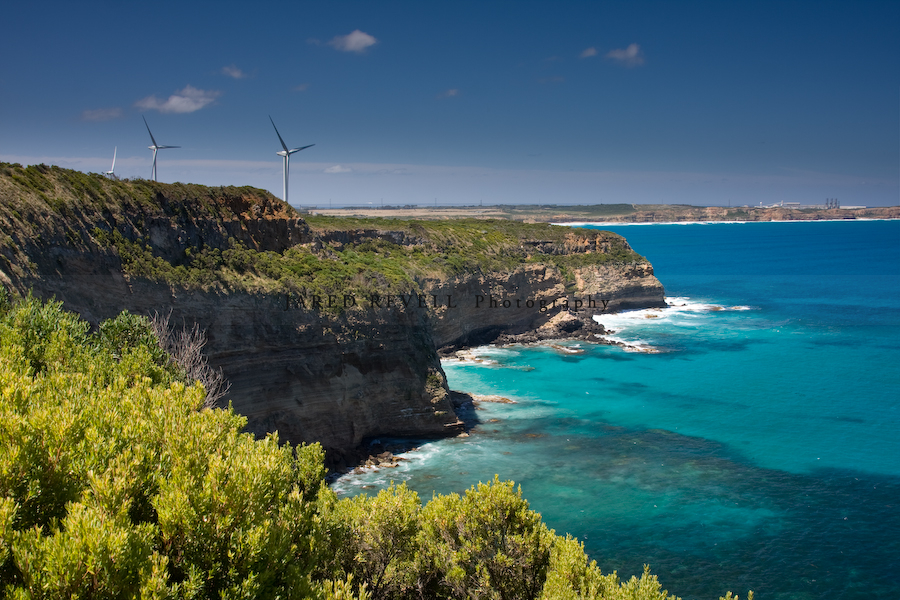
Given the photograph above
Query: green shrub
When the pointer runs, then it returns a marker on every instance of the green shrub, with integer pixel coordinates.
(486, 540)
(111, 484)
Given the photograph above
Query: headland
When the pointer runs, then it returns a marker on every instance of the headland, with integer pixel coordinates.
(328, 329)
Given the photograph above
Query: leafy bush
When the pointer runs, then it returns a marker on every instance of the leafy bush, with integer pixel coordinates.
(486, 540)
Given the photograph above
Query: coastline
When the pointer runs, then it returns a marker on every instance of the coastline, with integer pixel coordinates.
(560, 335)
(385, 452)
(762, 427)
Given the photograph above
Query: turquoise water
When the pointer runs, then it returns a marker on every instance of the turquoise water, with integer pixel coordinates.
(748, 437)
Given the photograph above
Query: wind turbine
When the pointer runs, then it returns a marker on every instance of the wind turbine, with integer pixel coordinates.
(156, 148)
(287, 157)
(112, 170)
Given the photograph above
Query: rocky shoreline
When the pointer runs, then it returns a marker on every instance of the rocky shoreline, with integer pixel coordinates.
(564, 327)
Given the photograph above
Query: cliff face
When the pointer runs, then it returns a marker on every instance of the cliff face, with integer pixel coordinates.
(337, 376)
(309, 376)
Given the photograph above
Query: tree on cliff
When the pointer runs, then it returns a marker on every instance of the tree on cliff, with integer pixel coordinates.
(116, 482)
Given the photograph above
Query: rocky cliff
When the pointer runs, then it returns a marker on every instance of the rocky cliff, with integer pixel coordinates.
(327, 330)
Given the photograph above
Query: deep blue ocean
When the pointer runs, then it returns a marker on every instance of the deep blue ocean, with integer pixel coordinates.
(748, 437)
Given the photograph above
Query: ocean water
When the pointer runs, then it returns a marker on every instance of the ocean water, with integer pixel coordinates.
(747, 437)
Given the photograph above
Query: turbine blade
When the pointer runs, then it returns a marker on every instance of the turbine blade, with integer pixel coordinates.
(148, 130)
(283, 145)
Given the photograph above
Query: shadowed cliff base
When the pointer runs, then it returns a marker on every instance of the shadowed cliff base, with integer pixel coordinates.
(327, 329)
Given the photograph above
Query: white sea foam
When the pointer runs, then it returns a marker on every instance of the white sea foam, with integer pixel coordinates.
(632, 345)
(489, 356)
(364, 478)
(630, 328)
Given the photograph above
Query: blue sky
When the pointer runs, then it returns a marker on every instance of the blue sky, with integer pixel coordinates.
(454, 103)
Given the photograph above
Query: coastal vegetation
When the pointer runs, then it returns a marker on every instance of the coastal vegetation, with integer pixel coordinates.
(117, 482)
(202, 237)
(374, 263)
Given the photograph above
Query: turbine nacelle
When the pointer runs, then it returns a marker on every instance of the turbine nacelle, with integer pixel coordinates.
(289, 152)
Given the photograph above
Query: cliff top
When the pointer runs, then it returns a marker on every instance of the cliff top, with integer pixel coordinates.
(44, 191)
(242, 238)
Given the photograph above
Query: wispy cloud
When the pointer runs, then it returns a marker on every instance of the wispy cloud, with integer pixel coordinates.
(234, 72)
(338, 169)
(357, 41)
(188, 100)
(101, 114)
(552, 80)
(588, 52)
(449, 93)
(627, 57)
(302, 87)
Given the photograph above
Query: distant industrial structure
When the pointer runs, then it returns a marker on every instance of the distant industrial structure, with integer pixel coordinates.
(830, 203)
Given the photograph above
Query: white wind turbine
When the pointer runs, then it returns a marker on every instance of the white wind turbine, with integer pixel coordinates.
(112, 170)
(156, 148)
(287, 157)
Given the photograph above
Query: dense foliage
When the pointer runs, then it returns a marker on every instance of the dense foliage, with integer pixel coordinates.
(115, 482)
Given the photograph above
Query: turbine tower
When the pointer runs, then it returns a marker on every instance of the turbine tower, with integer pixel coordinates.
(112, 170)
(156, 148)
(287, 158)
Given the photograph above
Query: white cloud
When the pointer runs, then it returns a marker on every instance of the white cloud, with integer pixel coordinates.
(338, 169)
(588, 52)
(449, 93)
(357, 41)
(628, 57)
(301, 87)
(101, 114)
(188, 100)
(233, 71)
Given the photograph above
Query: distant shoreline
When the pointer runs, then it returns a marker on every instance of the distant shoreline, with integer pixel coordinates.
(616, 214)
